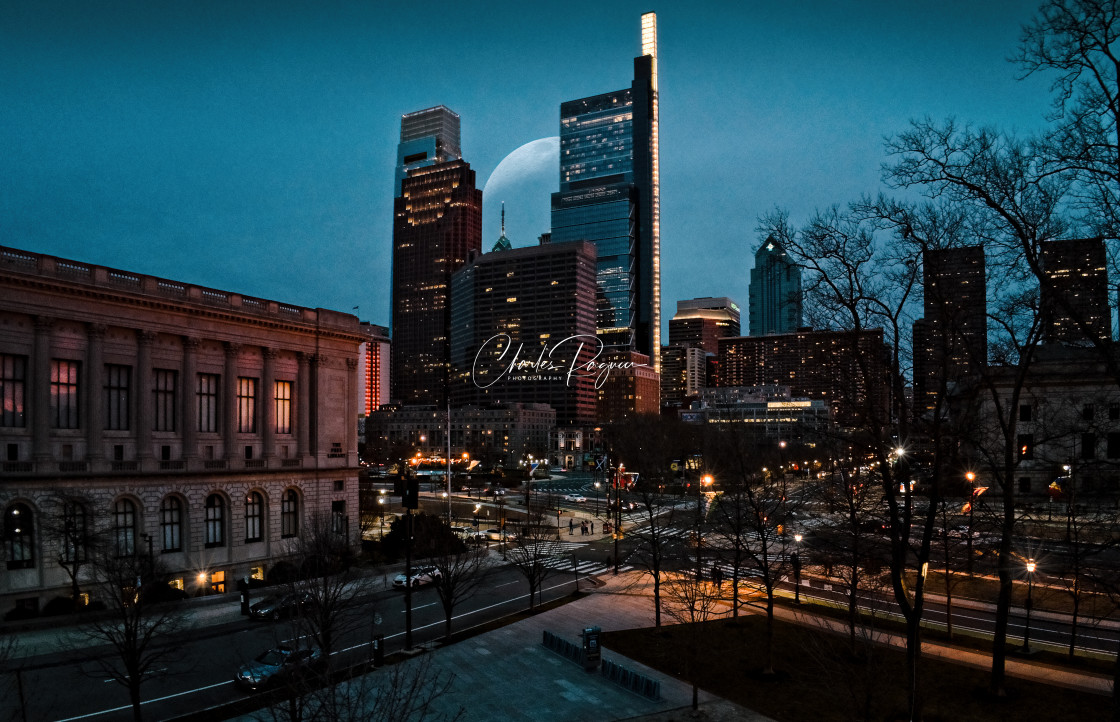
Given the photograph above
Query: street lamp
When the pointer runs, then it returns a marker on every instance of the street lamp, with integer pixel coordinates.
(796, 560)
(1030, 603)
(705, 481)
(381, 507)
(596, 498)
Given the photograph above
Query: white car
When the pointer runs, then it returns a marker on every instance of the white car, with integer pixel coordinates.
(578, 498)
(420, 576)
(495, 535)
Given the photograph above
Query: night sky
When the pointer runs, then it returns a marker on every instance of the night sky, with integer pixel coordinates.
(249, 146)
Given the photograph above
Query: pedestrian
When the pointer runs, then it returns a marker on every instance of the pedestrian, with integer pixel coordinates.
(592, 527)
(571, 527)
(717, 576)
(583, 528)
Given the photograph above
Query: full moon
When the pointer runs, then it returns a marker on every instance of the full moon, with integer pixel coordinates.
(525, 180)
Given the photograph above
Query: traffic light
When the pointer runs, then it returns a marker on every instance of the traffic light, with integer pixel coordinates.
(410, 499)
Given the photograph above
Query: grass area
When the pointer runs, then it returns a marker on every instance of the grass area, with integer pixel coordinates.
(817, 676)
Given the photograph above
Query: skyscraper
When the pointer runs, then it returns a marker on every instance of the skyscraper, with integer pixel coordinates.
(609, 195)
(1074, 293)
(701, 322)
(428, 137)
(775, 291)
(951, 338)
(437, 222)
(525, 303)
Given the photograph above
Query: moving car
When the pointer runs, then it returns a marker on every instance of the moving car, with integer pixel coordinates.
(420, 576)
(281, 605)
(578, 498)
(495, 535)
(276, 667)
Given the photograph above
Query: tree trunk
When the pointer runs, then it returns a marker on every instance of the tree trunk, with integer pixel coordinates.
(657, 600)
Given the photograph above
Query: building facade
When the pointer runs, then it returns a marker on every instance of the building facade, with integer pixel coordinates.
(373, 368)
(523, 326)
(848, 371)
(610, 195)
(769, 412)
(428, 137)
(775, 291)
(951, 338)
(683, 374)
(1074, 293)
(203, 426)
(437, 224)
(701, 322)
(627, 385)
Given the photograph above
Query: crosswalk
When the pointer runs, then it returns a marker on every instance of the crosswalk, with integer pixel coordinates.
(585, 567)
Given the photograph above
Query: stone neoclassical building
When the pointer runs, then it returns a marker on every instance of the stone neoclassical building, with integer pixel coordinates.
(203, 426)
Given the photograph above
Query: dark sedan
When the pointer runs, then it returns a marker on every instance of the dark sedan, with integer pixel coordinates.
(282, 605)
(276, 667)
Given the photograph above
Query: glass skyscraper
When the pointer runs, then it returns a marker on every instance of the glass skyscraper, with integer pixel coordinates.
(437, 223)
(428, 137)
(609, 195)
(775, 291)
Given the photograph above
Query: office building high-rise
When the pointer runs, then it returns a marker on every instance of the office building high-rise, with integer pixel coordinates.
(701, 322)
(533, 304)
(609, 195)
(428, 137)
(437, 223)
(951, 338)
(1074, 292)
(775, 291)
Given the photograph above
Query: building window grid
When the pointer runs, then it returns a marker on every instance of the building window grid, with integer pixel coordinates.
(215, 521)
(254, 517)
(283, 400)
(64, 394)
(171, 524)
(289, 514)
(124, 527)
(246, 405)
(164, 400)
(118, 379)
(207, 393)
(13, 379)
(19, 537)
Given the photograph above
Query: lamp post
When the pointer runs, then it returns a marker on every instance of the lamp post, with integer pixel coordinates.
(971, 513)
(381, 509)
(705, 481)
(1030, 604)
(796, 560)
(596, 498)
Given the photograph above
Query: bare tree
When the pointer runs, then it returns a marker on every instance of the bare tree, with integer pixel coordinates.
(66, 523)
(532, 554)
(136, 629)
(461, 569)
(691, 601)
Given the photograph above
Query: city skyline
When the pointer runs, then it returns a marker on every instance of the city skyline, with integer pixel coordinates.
(218, 144)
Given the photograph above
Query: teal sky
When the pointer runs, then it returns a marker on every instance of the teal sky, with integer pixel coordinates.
(249, 146)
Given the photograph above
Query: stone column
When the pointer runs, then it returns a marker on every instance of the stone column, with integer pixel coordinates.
(188, 414)
(303, 406)
(144, 341)
(352, 390)
(318, 363)
(95, 380)
(229, 400)
(268, 398)
(40, 406)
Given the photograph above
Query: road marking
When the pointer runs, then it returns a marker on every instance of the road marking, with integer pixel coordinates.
(158, 699)
(420, 607)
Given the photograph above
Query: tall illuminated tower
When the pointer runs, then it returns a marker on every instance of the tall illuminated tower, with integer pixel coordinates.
(609, 195)
(775, 291)
(437, 222)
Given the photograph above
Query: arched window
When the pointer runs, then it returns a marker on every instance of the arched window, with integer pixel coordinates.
(289, 514)
(124, 527)
(171, 524)
(215, 521)
(75, 533)
(19, 537)
(254, 517)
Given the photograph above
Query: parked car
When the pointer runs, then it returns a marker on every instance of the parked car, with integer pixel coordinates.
(578, 498)
(281, 605)
(495, 535)
(276, 667)
(420, 576)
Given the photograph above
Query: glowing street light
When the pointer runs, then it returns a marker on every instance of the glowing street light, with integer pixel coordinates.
(1030, 603)
(795, 559)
